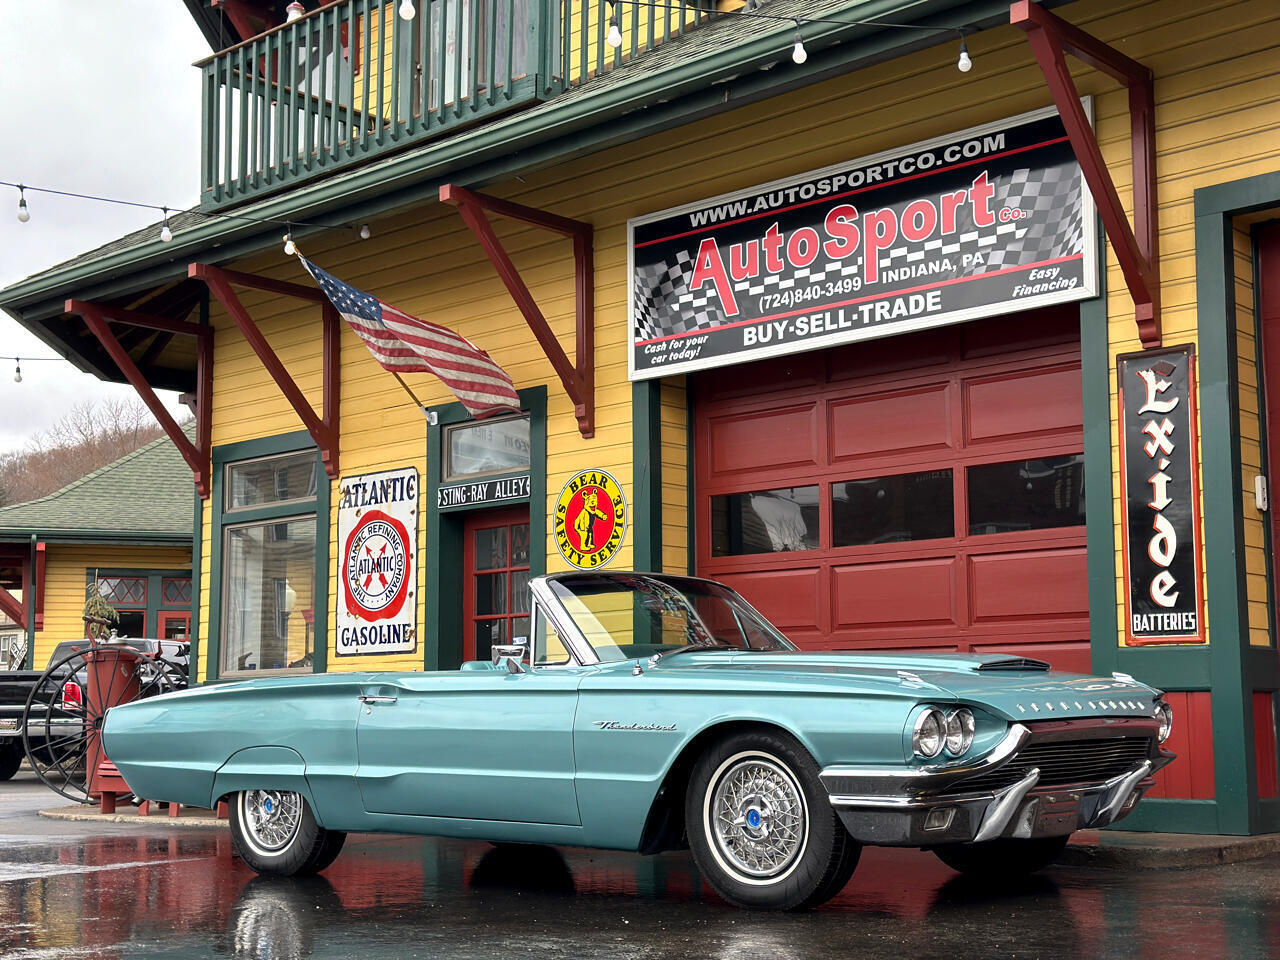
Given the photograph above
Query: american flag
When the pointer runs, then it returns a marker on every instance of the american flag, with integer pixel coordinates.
(405, 344)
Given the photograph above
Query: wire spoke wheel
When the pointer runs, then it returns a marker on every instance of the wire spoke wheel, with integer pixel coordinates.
(62, 722)
(758, 817)
(271, 818)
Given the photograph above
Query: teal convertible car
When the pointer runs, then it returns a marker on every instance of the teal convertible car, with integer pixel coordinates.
(652, 712)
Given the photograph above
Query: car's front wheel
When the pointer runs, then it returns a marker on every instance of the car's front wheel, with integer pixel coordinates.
(275, 833)
(996, 859)
(761, 827)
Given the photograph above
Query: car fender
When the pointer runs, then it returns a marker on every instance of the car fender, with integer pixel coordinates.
(262, 768)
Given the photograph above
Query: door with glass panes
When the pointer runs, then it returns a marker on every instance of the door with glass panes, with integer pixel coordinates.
(496, 584)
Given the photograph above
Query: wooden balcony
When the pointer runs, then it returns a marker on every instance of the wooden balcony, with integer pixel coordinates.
(353, 80)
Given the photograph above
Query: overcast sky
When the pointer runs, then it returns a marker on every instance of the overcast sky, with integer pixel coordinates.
(96, 98)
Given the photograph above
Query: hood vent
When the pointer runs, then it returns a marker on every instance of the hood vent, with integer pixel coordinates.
(1014, 663)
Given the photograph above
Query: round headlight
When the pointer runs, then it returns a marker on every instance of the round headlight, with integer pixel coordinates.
(930, 733)
(959, 731)
(1164, 714)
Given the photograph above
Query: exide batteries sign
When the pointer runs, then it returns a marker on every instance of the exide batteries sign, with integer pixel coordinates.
(1161, 524)
(992, 220)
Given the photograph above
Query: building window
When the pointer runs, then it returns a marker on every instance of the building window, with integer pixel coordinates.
(175, 590)
(764, 521)
(269, 526)
(487, 448)
(1027, 495)
(909, 506)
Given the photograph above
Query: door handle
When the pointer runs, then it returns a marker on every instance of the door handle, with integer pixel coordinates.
(367, 698)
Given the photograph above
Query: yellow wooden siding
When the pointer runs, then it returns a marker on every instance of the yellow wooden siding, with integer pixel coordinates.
(1216, 94)
(66, 570)
(676, 535)
(1250, 427)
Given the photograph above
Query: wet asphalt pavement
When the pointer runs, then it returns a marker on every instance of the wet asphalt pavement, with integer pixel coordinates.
(72, 890)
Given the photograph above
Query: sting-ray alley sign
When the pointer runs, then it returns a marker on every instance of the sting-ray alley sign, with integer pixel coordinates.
(1161, 523)
(377, 600)
(991, 220)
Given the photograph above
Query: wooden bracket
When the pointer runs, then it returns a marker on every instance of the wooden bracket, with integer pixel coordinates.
(1137, 248)
(13, 608)
(323, 428)
(96, 317)
(578, 379)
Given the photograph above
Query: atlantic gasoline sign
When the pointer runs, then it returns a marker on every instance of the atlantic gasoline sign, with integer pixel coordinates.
(377, 522)
(590, 520)
(1161, 523)
(992, 220)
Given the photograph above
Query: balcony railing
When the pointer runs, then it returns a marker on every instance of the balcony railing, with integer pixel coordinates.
(353, 80)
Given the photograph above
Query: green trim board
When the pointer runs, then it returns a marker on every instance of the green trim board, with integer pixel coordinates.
(1100, 543)
(247, 450)
(442, 556)
(1264, 442)
(31, 620)
(646, 463)
(197, 546)
(690, 500)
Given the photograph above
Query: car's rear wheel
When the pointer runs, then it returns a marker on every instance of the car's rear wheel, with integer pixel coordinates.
(10, 758)
(998, 859)
(760, 825)
(275, 833)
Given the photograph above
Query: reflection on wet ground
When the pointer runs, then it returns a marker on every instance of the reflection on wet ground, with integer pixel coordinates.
(183, 895)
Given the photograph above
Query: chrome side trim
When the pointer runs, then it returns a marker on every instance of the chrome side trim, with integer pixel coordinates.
(1006, 803)
(877, 781)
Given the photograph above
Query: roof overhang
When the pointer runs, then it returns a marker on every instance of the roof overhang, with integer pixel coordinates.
(624, 106)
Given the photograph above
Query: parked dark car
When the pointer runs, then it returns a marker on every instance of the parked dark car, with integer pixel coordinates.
(16, 687)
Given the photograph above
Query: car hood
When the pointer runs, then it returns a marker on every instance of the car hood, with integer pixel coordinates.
(1017, 688)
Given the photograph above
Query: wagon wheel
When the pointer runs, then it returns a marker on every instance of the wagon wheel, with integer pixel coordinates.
(63, 719)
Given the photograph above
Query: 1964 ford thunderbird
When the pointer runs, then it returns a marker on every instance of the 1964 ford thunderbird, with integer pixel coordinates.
(651, 712)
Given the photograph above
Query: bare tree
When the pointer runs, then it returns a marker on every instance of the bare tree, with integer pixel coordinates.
(90, 435)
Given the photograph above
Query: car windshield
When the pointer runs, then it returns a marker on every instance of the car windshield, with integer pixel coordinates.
(625, 616)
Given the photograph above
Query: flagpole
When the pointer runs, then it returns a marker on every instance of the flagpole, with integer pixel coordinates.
(420, 405)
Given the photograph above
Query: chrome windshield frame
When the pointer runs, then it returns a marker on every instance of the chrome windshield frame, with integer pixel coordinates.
(581, 650)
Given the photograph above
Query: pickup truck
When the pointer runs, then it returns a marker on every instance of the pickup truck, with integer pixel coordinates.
(16, 686)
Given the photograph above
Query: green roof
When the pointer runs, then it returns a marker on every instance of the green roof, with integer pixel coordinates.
(145, 496)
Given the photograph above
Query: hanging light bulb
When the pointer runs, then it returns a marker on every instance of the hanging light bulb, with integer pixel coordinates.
(165, 233)
(289, 248)
(17, 373)
(294, 11)
(798, 53)
(406, 10)
(615, 26)
(23, 213)
(965, 64)
(365, 233)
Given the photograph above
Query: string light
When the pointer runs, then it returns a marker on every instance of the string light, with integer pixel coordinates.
(24, 215)
(17, 372)
(17, 369)
(798, 53)
(364, 231)
(165, 233)
(289, 247)
(615, 25)
(406, 10)
(965, 63)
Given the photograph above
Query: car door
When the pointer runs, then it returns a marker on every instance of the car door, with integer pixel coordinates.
(471, 744)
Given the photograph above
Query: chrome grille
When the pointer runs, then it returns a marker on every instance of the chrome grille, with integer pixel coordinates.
(1065, 762)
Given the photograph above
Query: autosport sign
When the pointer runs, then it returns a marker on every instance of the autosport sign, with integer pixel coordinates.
(1161, 525)
(377, 523)
(992, 220)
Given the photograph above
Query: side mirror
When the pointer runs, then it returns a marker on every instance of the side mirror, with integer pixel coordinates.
(512, 654)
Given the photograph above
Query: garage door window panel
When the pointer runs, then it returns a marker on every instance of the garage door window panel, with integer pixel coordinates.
(1023, 495)
(783, 520)
(895, 509)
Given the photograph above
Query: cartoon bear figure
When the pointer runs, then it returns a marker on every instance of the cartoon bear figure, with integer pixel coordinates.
(584, 522)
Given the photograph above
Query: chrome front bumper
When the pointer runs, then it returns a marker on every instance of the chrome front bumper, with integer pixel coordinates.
(929, 805)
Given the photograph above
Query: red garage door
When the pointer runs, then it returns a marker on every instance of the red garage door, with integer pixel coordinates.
(920, 492)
